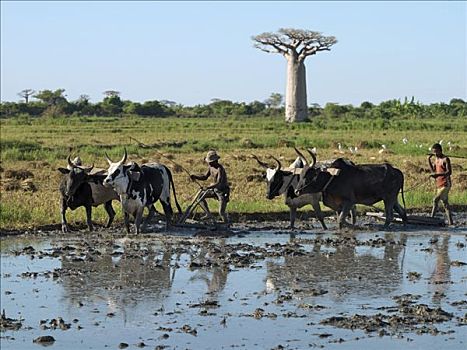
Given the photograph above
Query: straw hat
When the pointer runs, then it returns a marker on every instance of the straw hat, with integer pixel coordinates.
(211, 156)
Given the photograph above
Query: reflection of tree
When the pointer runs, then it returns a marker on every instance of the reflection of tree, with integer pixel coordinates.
(215, 276)
(441, 275)
(120, 281)
(343, 272)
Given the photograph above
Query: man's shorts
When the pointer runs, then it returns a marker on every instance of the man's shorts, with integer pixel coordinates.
(442, 193)
(220, 195)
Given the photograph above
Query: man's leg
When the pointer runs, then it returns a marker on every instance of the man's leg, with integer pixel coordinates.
(444, 196)
(222, 212)
(436, 200)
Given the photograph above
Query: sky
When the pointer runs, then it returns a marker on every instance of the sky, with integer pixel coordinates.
(192, 52)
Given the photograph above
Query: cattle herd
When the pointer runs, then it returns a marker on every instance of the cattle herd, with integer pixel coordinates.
(339, 184)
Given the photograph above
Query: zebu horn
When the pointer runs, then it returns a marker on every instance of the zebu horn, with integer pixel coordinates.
(300, 154)
(70, 164)
(313, 156)
(125, 155)
(88, 170)
(108, 159)
(263, 164)
(278, 162)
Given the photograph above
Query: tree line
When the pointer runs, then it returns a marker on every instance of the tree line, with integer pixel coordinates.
(53, 103)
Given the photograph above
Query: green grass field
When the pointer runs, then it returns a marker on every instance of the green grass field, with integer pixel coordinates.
(42, 145)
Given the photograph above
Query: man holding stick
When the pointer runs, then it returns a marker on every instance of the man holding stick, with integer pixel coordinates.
(219, 188)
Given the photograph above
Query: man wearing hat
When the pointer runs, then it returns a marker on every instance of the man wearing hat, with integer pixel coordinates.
(219, 188)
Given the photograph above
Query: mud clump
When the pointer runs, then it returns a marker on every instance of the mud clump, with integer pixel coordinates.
(9, 323)
(409, 318)
(414, 276)
(18, 174)
(44, 340)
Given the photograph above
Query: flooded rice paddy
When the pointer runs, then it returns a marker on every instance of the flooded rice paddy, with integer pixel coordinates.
(251, 290)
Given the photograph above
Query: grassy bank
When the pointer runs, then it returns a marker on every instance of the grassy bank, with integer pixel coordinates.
(42, 145)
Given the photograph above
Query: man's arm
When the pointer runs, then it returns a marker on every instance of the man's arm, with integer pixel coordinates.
(432, 167)
(201, 177)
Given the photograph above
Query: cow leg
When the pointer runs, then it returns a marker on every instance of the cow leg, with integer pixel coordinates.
(168, 213)
(346, 206)
(319, 215)
(126, 220)
(110, 211)
(88, 217)
(151, 213)
(293, 215)
(138, 219)
(388, 210)
(353, 215)
(401, 211)
(63, 212)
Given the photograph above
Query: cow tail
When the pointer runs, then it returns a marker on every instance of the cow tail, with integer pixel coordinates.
(173, 189)
(402, 193)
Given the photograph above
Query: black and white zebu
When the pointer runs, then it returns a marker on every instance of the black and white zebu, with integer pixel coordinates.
(80, 188)
(140, 187)
(284, 181)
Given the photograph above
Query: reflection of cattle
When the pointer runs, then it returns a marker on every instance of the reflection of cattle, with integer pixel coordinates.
(119, 279)
(80, 188)
(341, 273)
(284, 181)
(355, 184)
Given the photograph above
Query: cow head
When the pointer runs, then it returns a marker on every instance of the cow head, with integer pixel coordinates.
(75, 176)
(277, 179)
(311, 177)
(120, 175)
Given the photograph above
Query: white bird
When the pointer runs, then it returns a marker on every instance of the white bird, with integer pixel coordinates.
(339, 146)
(353, 150)
(314, 150)
(449, 145)
(420, 146)
(383, 149)
(405, 140)
(383, 146)
(440, 142)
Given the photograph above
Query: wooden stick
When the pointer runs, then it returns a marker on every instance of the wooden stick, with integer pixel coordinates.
(142, 145)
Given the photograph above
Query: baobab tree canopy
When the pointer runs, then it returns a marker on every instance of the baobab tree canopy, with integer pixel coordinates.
(295, 45)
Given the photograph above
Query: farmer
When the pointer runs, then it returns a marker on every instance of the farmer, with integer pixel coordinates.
(441, 172)
(219, 188)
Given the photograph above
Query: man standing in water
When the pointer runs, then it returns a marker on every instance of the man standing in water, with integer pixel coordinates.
(441, 172)
(219, 188)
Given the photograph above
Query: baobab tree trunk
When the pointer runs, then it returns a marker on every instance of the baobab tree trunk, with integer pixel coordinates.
(296, 109)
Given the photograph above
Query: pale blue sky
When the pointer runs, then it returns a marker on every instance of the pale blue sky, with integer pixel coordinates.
(191, 52)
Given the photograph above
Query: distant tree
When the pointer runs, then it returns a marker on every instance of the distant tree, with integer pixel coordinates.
(168, 103)
(256, 107)
(295, 45)
(111, 93)
(274, 101)
(84, 99)
(52, 98)
(26, 93)
(366, 105)
(112, 104)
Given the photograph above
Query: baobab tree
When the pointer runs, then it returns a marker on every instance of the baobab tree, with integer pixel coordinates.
(295, 45)
(26, 93)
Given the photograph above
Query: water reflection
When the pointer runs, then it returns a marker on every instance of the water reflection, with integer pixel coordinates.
(215, 276)
(120, 281)
(440, 277)
(342, 273)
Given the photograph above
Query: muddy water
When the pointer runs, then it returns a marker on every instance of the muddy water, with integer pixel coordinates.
(259, 290)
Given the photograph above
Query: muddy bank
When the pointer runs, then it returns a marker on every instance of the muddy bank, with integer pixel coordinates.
(306, 221)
